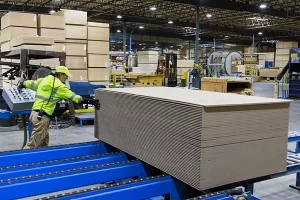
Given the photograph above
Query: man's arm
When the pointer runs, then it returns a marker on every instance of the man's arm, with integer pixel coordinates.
(32, 84)
(65, 93)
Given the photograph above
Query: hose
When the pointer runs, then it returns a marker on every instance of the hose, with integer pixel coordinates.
(283, 71)
(25, 131)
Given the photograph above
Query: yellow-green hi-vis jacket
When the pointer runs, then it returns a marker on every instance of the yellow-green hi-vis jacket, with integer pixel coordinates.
(43, 88)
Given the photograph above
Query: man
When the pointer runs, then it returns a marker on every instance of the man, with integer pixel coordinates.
(49, 91)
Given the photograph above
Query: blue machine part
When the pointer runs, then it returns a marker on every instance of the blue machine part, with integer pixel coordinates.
(104, 172)
(294, 79)
(294, 136)
(84, 88)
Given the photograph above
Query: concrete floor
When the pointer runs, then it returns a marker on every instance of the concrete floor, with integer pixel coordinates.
(275, 189)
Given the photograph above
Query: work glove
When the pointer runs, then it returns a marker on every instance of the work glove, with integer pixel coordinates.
(21, 86)
(92, 101)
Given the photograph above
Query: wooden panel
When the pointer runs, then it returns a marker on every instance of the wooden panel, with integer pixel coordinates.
(76, 32)
(57, 34)
(98, 47)
(51, 21)
(19, 19)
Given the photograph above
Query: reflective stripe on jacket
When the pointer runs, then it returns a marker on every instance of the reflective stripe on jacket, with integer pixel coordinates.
(43, 88)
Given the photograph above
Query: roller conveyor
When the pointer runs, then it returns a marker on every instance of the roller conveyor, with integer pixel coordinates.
(88, 171)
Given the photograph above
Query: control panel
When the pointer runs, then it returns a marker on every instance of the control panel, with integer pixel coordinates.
(18, 100)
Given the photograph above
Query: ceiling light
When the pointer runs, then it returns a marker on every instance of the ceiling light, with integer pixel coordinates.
(153, 8)
(119, 31)
(141, 27)
(260, 33)
(119, 16)
(51, 12)
(208, 15)
(171, 46)
(140, 44)
(170, 22)
(226, 36)
(263, 5)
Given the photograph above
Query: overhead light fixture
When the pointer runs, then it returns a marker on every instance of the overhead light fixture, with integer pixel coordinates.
(260, 33)
(171, 46)
(263, 6)
(51, 12)
(119, 31)
(208, 15)
(141, 27)
(226, 36)
(153, 8)
(119, 16)
(170, 22)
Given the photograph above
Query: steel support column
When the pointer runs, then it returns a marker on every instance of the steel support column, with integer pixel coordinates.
(124, 43)
(197, 34)
(189, 50)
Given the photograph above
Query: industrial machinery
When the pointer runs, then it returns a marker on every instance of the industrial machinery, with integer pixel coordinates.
(18, 100)
(170, 72)
(93, 170)
(288, 79)
(220, 63)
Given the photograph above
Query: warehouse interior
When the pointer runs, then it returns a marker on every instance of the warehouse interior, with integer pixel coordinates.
(198, 99)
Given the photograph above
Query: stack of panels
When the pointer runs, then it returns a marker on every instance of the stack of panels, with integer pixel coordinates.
(147, 61)
(75, 43)
(205, 139)
(98, 53)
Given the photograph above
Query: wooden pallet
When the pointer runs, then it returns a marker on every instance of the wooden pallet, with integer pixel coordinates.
(227, 85)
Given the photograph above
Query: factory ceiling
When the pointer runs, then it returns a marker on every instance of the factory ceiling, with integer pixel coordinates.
(230, 21)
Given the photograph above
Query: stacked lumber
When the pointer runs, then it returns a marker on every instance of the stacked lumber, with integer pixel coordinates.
(13, 25)
(269, 56)
(34, 43)
(250, 58)
(205, 139)
(53, 26)
(269, 74)
(227, 85)
(184, 66)
(147, 62)
(282, 53)
(98, 53)
(75, 43)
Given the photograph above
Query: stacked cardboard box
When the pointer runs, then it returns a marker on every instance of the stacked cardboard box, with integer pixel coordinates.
(98, 53)
(282, 53)
(147, 61)
(75, 42)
